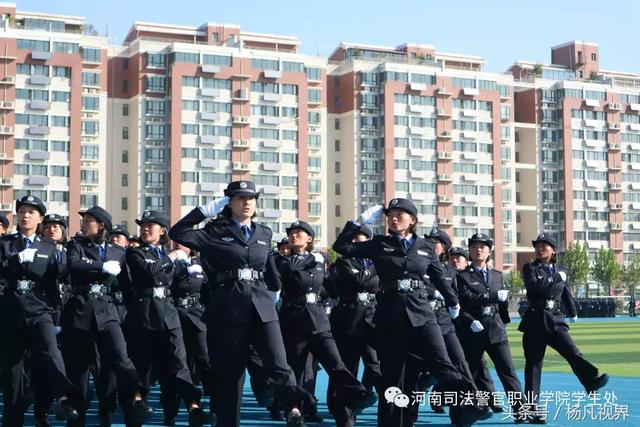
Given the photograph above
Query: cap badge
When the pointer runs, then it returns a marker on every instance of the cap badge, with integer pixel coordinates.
(243, 184)
(30, 198)
(146, 214)
(394, 202)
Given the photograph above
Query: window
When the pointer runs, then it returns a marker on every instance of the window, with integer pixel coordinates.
(216, 60)
(189, 153)
(315, 96)
(125, 110)
(62, 171)
(124, 180)
(209, 83)
(88, 176)
(124, 203)
(59, 71)
(60, 196)
(190, 81)
(90, 54)
(125, 156)
(156, 83)
(464, 83)
(313, 73)
(60, 96)
(336, 145)
(90, 79)
(159, 107)
(190, 58)
(66, 47)
(315, 185)
(289, 89)
(265, 64)
(292, 67)
(90, 127)
(215, 107)
(89, 152)
(156, 60)
(60, 146)
(91, 103)
(33, 45)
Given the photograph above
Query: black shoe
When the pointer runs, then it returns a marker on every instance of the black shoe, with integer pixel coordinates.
(497, 409)
(140, 410)
(169, 420)
(313, 418)
(295, 419)
(266, 397)
(598, 383)
(368, 398)
(41, 420)
(104, 420)
(65, 411)
(276, 414)
(197, 417)
(425, 381)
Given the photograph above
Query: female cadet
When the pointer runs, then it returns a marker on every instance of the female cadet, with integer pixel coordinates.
(28, 271)
(90, 321)
(305, 324)
(355, 282)
(187, 283)
(404, 319)
(485, 309)
(152, 320)
(237, 253)
(543, 324)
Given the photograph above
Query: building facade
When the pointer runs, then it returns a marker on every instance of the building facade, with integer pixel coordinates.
(53, 112)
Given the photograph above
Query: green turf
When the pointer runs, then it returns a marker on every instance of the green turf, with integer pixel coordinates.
(614, 347)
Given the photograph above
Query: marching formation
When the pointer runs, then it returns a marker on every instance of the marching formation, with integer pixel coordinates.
(196, 305)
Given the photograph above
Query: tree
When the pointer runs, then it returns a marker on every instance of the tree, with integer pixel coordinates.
(333, 255)
(537, 70)
(631, 274)
(513, 281)
(576, 261)
(605, 270)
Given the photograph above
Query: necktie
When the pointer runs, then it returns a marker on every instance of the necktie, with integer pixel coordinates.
(159, 251)
(59, 256)
(245, 232)
(406, 245)
(101, 252)
(365, 262)
(27, 242)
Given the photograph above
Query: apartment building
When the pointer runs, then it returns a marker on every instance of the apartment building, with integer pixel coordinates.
(53, 112)
(192, 108)
(426, 125)
(577, 130)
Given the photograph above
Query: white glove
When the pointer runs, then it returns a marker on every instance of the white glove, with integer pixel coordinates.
(503, 294)
(372, 215)
(573, 319)
(27, 255)
(214, 207)
(275, 296)
(195, 268)
(476, 326)
(182, 256)
(318, 257)
(111, 267)
(454, 312)
(438, 295)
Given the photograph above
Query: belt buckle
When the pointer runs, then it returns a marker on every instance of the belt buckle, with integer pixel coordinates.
(23, 286)
(96, 289)
(434, 304)
(404, 285)
(159, 293)
(487, 310)
(363, 297)
(311, 298)
(183, 302)
(245, 274)
(550, 304)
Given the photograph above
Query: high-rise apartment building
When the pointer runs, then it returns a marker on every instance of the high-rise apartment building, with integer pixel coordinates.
(53, 111)
(192, 108)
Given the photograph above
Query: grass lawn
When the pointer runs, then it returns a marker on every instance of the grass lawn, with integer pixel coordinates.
(614, 347)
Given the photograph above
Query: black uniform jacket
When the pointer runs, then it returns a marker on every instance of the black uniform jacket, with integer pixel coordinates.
(302, 275)
(185, 285)
(445, 277)
(347, 278)
(85, 269)
(223, 249)
(542, 286)
(475, 294)
(17, 308)
(148, 271)
(394, 263)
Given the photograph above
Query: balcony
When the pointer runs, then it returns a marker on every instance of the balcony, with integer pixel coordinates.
(634, 107)
(272, 74)
(593, 103)
(210, 69)
(441, 113)
(38, 155)
(271, 189)
(211, 187)
(445, 200)
(444, 155)
(271, 213)
(209, 116)
(240, 76)
(39, 105)
(241, 95)
(445, 135)
(211, 139)
(616, 207)
(271, 167)
(271, 143)
(39, 80)
(38, 180)
(634, 127)
(419, 87)
(614, 126)
(210, 163)
(271, 97)
(445, 221)
(41, 56)
(470, 91)
(38, 130)
(9, 80)
(445, 178)
(615, 186)
(614, 106)
(210, 92)
(270, 120)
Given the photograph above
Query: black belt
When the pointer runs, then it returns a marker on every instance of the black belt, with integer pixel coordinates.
(310, 298)
(361, 298)
(403, 285)
(239, 274)
(158, 293)
(65, 288)
(546, 305)
(94, 289)
(186, 302)
(437, 304)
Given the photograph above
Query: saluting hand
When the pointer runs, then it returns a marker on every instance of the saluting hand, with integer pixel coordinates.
(371, 215)
(214, 207)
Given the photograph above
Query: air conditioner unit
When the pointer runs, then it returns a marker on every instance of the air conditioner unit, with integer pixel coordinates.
(445, 134)
(444, 199)
(444, 155)
(616, 227)
(7, 180)
(614, 126)
(240, 119)
(445, 221)
(240, 143)
(615, 106)
(444, 177)
(6, 207)
(240, 166)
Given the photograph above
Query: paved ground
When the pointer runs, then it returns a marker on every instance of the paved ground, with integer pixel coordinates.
(565, 405)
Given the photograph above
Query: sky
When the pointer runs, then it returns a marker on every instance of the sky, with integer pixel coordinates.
(499, 31)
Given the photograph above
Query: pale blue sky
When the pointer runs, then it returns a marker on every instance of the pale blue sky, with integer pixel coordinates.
(500, 31)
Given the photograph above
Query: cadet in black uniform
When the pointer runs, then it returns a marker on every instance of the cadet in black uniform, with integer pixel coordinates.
(404, 319)
(459, 260)
(355, 282)
(119, 236)
(543, 324)
(28, 272)
(187, 283)
(485, 307)
(305, 324)
(4, 225)
(90, 321)
(239, 259)
(156, 338)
